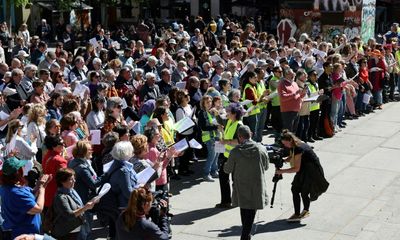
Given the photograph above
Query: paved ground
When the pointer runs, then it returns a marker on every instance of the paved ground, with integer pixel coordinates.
(362, 164)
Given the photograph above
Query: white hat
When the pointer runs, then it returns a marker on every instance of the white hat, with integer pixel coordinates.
(22, 53)
(172, 41)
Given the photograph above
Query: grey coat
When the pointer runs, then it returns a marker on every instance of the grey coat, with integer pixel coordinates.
(248, 162)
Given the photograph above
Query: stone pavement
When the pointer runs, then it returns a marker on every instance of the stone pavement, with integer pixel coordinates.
(362, 164)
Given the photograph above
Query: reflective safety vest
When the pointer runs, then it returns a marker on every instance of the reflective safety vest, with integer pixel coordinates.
(207, 135)
(275, 100)
(260, 91)
(168, 136)
(313, 91)
(256, 109)
(229, 133)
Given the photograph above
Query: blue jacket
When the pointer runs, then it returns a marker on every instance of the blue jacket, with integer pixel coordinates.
(86, 179)
(123, 181)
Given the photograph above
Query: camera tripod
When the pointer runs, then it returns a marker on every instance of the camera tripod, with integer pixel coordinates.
(275, 180)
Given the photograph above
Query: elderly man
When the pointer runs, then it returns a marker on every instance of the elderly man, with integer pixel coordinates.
(248, 162)
(77, 73)
(29, 77)
(151, 67)
(49, 59)
(290, 96)
(165, 83)
(21, 94)
(180, 72)
(149, 90)
(38, 54)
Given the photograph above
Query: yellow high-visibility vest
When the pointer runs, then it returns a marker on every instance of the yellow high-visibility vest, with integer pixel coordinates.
(256, 109)
(229, 133)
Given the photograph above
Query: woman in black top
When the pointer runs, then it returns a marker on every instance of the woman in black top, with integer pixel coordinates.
(309, 181)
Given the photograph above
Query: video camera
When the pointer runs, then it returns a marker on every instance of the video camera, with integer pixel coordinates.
(276, 155)
(157, 209)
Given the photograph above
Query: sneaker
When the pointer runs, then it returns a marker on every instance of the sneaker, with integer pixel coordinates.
(208, 178)
(304, 214)
(215, 175)
(294, 218)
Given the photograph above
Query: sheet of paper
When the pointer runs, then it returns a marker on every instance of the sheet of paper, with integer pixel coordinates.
(311, 99)
(181, 146)
(95, 137)
(107, 166)
(11, 145)
(136, 127)
(245, 102)
(181, 85)
(69, 151)
(3, 116)
(144, 176)
(219, 147)
(272, 95)
(94, 42)
(366, 98)
(124, 104)
(9, 91)
(79, 90)
(183, 124)
(194, 144)
(58, 87)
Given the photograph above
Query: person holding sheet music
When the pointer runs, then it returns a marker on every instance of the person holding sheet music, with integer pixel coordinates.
(184, 110)
(250, 93)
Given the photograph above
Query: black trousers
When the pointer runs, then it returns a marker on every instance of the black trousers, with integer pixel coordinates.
(296, 200)
(224, 183)
(314, 121)
(187, 155)
(276, 120)
(247, 216)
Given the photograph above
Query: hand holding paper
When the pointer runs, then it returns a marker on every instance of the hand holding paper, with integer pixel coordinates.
(181, 146)
(184, 124)
(194, 144)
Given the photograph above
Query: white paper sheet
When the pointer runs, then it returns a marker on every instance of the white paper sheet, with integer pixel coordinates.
(245, 102)
(194, 144)
(94, 42)
(103, 191)
(181, 85)
(3, 116)
(80, 90)
(183, 124)
(272, 95)
(96, 137)
(144, 176)
(107, 166)
(311, 99)
(366, 98)
(58, 87)
(136, 127)
(181, 146)
(11, 145)
(124, 104)
(219, 147)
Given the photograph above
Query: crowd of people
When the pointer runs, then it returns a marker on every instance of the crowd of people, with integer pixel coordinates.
(76, 118)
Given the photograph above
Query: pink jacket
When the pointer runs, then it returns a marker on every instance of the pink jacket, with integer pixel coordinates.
(153, 156)
(289, 97)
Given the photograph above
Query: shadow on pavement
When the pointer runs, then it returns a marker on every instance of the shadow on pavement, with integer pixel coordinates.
(188, 218)
(278, 226)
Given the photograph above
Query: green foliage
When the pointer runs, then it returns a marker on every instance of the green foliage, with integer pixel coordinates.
(21, 3)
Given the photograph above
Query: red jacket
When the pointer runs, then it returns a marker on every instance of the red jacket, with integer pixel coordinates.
(51, 163)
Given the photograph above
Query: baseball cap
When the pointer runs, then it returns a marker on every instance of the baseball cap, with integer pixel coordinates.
(12, 165)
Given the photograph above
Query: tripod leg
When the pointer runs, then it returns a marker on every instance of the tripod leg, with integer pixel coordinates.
(273, 194)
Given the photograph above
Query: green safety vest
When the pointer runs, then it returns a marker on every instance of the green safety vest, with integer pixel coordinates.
(225, 100)
(256, 109)
(275, 100)
(260, 90)
(229, 132)
(207, 135)
(313, 89)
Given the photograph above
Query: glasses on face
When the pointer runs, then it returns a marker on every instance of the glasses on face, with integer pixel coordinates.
(96, 76)
(119, 106)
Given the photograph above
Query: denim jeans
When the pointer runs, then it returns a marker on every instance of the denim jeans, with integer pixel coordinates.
(302, 128)
(211, 165)
(86, 228)
(262, 117)
(252, 122)
(335, 111)
(342, 109)
(377, 97)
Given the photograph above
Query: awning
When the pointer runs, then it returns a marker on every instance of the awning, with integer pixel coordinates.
(51, 5)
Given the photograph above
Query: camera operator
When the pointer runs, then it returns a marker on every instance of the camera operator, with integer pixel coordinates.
(309, 181)
(133, 221)
(248, 162)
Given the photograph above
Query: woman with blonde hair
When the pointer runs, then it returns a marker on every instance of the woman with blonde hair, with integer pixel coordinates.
(133, 221)
(36, 126)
